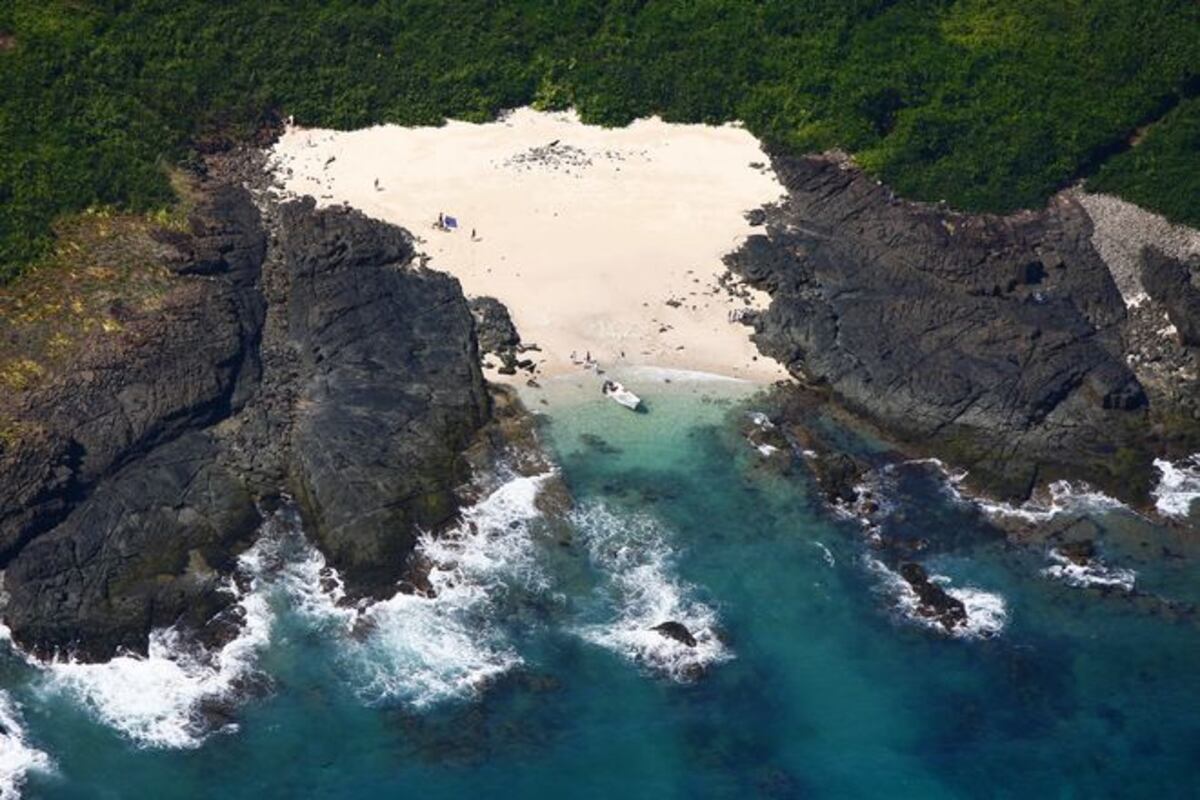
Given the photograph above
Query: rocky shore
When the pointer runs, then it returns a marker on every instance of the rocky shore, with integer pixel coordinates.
(1002, 345)
(295, 350)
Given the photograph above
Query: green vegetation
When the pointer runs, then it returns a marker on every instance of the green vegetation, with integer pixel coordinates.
(988, 104)
(1160, 172)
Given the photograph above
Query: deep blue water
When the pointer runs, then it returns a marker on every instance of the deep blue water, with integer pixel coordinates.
(816, 686)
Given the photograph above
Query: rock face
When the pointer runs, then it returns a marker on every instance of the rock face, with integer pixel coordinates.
(105, 492)
(326, 364)
(391, 390)
(1176, 286)
(993, 341)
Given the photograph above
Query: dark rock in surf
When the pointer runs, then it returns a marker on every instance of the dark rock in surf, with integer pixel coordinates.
(326, 364)
(676, 631)
(115, 516)
(933, 601)
(391, 390)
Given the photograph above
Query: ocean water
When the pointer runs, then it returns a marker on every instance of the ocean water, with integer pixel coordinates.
(533, 672)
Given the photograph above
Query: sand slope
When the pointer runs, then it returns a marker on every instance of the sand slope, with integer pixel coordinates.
(585, 240)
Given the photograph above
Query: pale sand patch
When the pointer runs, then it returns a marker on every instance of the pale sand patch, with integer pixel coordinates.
(1121, 229)
(585, 241)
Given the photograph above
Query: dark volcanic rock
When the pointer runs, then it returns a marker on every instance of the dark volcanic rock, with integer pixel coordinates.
(677, 631)
(1174, 284)
(391, 391)
(326, 361)
(147, 549)
(494, 326)
(105, 492)
(994, 341)
(933, 601)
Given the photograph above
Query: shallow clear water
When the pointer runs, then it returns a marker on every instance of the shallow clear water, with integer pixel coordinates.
(533, 675)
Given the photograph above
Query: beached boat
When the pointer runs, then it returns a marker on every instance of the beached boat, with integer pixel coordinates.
(618, 393)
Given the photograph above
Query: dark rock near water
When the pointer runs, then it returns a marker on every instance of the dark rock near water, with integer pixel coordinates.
(391, 390)
(327, 364)
(113, 514)
(148, 548)
(992, 341)
(933, 601)
(676, 631)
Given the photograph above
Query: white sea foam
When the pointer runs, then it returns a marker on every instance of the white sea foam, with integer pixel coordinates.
(828, 555)
(987, 613)
(17, 756)
(423, 650)
(1092, 574)
(1179, 486)
(635, 557)
(156, 700)
(1060, 497)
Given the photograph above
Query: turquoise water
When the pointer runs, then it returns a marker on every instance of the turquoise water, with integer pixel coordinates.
(532, 674)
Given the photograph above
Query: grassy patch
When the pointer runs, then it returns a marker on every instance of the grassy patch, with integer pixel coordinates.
(104, 266)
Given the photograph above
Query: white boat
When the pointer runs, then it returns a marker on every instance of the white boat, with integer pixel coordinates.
(618, 393)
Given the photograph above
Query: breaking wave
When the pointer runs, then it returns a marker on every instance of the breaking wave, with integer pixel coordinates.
(1060, 497)
(17, 756)
(1090, 575)
(422, 648)
(639, 585)
(1179, 486)
(158, 700)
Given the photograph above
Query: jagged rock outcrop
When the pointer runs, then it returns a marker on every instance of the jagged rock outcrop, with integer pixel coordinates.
(391, 391)
(98, 488)
(326, 364)
(993, 341)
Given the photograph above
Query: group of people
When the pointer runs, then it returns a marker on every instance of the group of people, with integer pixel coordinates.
(447, 223)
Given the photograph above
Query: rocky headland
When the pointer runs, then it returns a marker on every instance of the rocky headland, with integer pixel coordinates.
(1000, 344)
(294, 350)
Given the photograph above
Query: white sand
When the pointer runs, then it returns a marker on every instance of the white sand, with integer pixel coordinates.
(584, 244)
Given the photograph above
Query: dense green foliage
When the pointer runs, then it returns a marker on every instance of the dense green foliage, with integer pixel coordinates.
(989, 104)
(1161, 171)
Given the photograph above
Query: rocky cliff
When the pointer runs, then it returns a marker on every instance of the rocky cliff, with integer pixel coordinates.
(302, 353)
(998, 343)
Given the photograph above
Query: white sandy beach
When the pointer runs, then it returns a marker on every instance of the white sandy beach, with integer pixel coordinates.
(585, 241)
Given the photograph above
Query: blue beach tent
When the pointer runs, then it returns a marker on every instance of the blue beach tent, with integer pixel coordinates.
(451, 222)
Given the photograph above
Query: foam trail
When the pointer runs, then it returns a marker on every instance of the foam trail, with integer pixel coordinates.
(17, 756)
(636, 560)
(1178, 487)
(1062, 497)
